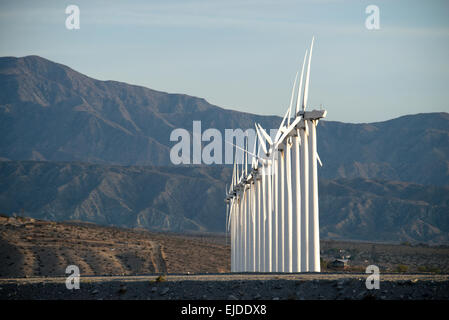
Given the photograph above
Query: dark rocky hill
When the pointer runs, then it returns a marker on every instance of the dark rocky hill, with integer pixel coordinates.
(191, 199)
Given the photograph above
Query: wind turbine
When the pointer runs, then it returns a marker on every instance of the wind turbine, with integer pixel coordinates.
(276, 203)
(311, 172)
(305, 178)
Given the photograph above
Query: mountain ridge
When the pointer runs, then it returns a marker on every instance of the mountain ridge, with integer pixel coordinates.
(112, 122)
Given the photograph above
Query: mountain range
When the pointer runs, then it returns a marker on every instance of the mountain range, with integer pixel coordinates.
(50, 112)
(191, 199)
(78, 148)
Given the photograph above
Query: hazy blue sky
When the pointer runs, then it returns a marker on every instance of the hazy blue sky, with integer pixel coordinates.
(243, 55)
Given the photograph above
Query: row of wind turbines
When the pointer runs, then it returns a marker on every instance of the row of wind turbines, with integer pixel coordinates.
(272, 207)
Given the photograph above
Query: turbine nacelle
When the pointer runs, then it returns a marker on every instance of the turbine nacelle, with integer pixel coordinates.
(312, 115)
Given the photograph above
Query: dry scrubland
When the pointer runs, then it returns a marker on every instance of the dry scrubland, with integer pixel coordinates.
(31, 247)
(388, 257)
(34, 255)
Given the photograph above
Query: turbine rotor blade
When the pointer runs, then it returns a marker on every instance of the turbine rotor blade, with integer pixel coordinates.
(306, 86)
(279, 132)
(245, 151)
(300, 83)
(292, 97)
(253, 160)
(265, 134)
(231, 212)
(288, 130)
(319, 160)
(261, 142)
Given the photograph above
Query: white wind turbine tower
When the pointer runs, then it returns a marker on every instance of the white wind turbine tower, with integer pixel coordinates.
(260, 178)
(254, 211)
(232, 206)
(237, 218)
(256, 182)
(249, 213)
(240, 224)
(244, 214)
(230, 222)
(229, 202)
(266, 202)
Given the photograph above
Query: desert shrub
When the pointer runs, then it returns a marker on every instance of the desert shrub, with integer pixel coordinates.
(422, 269)
(357, 269)
(161, 278)
(402, 268)
(434, 269)
(323, 264)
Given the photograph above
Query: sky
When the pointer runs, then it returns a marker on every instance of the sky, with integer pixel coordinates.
(243, 55)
